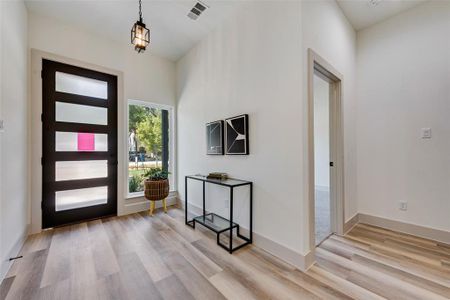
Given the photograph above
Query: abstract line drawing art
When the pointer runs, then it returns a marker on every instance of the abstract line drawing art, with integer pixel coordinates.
(214, 138)
(236, 141)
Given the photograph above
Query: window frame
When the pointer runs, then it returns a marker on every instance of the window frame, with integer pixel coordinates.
(172, 162)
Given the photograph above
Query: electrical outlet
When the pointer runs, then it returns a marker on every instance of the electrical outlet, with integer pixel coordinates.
(426, 133)
(403, 206)
(374, 2)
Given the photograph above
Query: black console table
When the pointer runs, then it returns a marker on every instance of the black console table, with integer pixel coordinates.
(215, 222)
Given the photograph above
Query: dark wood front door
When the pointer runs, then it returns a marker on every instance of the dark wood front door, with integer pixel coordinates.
(79, 162)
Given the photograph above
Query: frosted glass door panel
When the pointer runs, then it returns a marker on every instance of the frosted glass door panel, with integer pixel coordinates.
(71, 199)
(74, 113)
(80, 142)
(68, 83)
(82, 169)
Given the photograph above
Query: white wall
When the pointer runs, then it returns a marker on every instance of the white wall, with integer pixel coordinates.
(321, 133)
(252, 65)
(256, 64)
(146, 77)
(13, 141)
(403, 86)
(2, 268)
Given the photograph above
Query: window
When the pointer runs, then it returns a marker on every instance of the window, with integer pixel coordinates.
(150, 141)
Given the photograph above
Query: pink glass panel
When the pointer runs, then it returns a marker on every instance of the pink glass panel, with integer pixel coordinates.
(74, 141)
(86, 142)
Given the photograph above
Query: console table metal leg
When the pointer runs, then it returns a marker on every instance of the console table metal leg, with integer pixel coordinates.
(186, 200)
(204, 208)
(231, 221)
(251, 212)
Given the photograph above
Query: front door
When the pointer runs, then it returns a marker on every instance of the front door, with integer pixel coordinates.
(79, 135)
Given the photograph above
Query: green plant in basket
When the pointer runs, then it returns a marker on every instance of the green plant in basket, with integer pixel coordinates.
(156, 174)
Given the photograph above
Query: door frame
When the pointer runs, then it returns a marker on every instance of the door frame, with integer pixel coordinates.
(317, 64)
(35, 127)
(51, 217)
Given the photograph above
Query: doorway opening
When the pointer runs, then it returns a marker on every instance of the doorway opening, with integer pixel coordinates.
(322, 160)
(325, 150)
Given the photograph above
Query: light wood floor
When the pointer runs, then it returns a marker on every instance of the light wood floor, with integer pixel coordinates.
(140, 257)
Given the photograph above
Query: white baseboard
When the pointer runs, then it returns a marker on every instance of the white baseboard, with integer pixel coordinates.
(408, 228)
(298, 260)
(13, 252)
(351, 223)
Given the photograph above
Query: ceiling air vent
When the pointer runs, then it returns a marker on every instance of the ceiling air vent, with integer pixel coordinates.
(197, 10)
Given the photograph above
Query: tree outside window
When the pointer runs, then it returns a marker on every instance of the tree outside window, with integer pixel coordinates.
(145, 144)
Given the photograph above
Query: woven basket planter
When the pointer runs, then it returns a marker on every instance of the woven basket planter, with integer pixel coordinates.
(156, 190)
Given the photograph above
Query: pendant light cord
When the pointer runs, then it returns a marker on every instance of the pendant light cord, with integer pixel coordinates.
(140, 10)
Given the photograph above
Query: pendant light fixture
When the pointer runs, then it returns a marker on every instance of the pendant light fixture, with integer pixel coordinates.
(140, 35)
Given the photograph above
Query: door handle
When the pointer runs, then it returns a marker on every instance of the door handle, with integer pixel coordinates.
(331, 164)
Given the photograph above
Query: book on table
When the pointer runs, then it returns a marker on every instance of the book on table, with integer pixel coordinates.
(217, 175)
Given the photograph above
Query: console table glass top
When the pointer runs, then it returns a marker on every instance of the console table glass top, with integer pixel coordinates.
(231, 182)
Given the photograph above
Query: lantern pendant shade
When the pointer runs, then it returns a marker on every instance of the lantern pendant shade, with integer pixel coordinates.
(140, 36)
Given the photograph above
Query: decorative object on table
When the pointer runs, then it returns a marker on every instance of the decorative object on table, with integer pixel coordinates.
(217, 175)
(214, 138)
(156, 187)
(236, 135)
(140, 35)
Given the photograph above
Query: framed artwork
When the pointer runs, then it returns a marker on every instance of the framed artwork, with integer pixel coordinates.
(214, 138)
(236, 135)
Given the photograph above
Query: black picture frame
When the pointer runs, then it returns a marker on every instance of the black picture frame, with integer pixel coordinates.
(214, 138)
(236, 135)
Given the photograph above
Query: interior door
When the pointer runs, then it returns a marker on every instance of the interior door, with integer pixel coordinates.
(79, 160)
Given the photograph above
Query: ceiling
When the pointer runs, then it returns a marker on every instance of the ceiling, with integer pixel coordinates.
(172, 33)
(364, 13)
